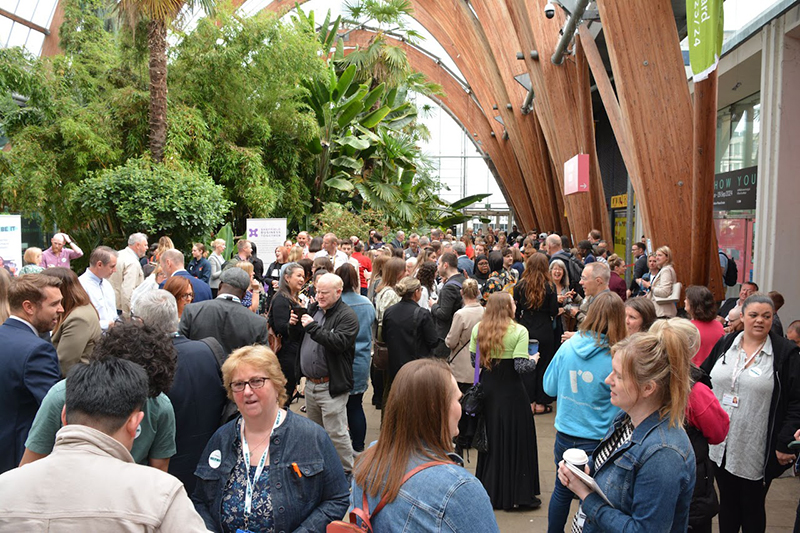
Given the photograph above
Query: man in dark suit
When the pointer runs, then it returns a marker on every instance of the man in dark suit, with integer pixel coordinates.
(225, 318)
(30, 365)
(172, 263)
(639, 267)
(197, 394)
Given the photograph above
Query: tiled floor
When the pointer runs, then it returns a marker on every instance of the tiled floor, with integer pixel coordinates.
(781, 501)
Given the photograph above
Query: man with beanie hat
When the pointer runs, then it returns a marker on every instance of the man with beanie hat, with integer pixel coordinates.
(225, 318)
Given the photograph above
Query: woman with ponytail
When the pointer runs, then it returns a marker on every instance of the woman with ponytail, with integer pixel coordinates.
(509, 470)
(645, 465)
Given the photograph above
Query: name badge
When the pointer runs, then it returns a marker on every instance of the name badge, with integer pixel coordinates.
(755, 372)
(276, 273)
(730, 400)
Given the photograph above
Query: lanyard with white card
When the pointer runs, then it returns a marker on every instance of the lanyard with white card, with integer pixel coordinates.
(248, 498)
(731, 399)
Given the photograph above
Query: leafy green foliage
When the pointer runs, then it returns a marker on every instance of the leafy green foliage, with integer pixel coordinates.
(344, 221)
(143, 196)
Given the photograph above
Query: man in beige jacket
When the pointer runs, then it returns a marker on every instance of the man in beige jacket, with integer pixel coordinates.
(129, 273)
(90, 481)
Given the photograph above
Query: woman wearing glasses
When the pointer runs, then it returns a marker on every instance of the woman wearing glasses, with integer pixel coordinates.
(270, 469)
(181, 289)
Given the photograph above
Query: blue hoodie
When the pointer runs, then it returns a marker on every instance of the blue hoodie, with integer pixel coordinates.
(576, 376)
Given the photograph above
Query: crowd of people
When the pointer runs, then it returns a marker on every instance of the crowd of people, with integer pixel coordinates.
(169, 386)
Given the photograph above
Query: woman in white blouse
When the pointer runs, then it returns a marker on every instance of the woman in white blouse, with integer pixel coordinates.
(662, 285)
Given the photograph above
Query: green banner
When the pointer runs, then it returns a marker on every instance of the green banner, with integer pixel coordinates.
(704, 19)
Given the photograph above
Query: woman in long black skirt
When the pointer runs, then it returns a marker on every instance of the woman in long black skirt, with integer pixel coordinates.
(509, 470)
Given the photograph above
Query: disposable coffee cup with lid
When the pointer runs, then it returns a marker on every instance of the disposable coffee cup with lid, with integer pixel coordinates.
(576, 457)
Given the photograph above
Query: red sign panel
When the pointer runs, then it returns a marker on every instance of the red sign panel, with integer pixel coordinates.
(576, 174)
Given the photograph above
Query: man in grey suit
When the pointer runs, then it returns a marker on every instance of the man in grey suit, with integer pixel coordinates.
(225, 318)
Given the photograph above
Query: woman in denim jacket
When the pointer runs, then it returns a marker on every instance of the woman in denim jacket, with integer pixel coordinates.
(422, 414)
(284, 462)
(645, 466)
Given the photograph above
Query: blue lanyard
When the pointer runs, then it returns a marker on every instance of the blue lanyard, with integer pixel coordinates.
(248, 498)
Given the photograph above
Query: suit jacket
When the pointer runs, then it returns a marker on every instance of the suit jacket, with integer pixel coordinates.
(639, 270)
(202, 291)
(198, 398)
(76, 336)
(128, 276)
(227, 321)
(30, 368)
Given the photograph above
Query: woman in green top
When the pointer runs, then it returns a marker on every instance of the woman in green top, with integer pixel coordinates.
(509, 471)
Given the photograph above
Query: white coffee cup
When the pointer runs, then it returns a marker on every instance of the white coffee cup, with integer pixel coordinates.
(576, 457)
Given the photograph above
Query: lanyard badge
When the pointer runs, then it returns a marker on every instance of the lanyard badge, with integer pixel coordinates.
(248, 499)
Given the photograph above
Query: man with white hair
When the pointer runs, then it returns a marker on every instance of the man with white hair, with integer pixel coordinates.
(326, 359)
(172, 264)
(129, 273)
(56, 255)
(330, 249)
(399, 239)
(197, 394)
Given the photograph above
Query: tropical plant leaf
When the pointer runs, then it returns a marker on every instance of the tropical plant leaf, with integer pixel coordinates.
(345, 80)
(468, 200)
(373, 96)
(340, 184)
(348, 162)
(357, 143)
(372, 120)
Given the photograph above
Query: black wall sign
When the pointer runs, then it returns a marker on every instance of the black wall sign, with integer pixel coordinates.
(735, 189)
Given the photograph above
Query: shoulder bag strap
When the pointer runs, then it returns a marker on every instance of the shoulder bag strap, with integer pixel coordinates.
(408, 476)
(477, 364)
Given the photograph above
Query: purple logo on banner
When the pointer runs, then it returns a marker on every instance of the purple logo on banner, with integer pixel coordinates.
(253, 232)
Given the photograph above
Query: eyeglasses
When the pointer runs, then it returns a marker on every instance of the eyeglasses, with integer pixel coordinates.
(188, 296)
(255, 383)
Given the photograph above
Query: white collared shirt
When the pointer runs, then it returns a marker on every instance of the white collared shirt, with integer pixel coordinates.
(102, 295)
(33, 329)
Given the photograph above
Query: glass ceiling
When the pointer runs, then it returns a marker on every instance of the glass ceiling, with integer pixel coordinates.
(36, 16)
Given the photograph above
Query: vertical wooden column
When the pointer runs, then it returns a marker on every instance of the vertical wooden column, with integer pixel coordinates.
(703, 163)
(656, 111)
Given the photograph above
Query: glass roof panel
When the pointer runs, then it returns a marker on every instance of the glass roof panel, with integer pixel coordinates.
(44, 12)
(5, 29)
(35, 42)
(25, 10)
(18, 36)
(9, 5)
(38, 12)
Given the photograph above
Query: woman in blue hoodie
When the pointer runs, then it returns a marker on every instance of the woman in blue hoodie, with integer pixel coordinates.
(576, 377)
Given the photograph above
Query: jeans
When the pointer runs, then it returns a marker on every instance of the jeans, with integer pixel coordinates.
(331, 413)
(560, 501)
(357, 421)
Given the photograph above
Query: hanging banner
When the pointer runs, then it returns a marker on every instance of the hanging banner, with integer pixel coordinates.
(576, 174)
(735, 190)
(11, 243)
(705, 21)
(267, 234)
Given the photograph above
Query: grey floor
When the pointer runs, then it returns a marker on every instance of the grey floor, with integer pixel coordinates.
(781, 500)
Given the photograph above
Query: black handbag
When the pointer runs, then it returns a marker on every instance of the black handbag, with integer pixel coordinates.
(472, 401)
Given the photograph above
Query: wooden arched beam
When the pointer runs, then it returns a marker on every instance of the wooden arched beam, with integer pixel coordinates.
(466, 111)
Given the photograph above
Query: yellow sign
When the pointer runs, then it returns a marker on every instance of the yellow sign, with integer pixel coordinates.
(619, 202)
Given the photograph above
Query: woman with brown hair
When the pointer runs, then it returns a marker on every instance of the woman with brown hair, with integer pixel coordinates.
(616, 282)
(385, 297)
(181, 289)
(377, 269)
(575, 376)
(5, 282)
(78, 327)
(420, 421)
(537, 307)
(640, 313)
(702, 309)
(252, 297)
(509, 470)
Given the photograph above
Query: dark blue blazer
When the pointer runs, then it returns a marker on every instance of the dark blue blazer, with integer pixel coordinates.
(29, 368)
(201, 289)
(198, 398)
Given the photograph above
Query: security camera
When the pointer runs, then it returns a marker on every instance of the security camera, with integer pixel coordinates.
(550, 10)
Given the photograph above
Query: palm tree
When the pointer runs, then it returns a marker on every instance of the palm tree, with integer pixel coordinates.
(159, 14)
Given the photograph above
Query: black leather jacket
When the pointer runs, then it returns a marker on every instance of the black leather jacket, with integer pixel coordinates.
(338, 337)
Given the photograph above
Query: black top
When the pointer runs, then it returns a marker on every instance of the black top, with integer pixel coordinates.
(337, 336)
(198, 398)
(229, 322)
(409, 334)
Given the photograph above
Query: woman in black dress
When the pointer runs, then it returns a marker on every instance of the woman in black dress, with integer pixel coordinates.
(509, 470)
(537, 307)
(283, 303)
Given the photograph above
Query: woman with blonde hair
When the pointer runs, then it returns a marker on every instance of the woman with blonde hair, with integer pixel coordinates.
(457, 340)
(509, 470)
(32, 260)
(567, 298)
(661, 286)
(269, 469)
(5, 283)
(575, 377)
(217, 261)
(420, 422)
(646, 450)
(164, 243)
(252, 297)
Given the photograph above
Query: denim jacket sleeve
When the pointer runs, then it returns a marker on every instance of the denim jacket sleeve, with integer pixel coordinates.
(660, 481)
(211, 481)
(469, 509)
(335, 493)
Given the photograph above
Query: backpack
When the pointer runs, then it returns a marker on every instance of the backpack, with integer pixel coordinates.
(731, 274)
(363, 514)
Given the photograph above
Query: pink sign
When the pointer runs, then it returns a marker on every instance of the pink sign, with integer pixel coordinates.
(576, 174)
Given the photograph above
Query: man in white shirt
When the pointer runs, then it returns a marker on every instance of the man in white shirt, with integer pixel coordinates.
(129, 273)
(102, 264)
(330, 245)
